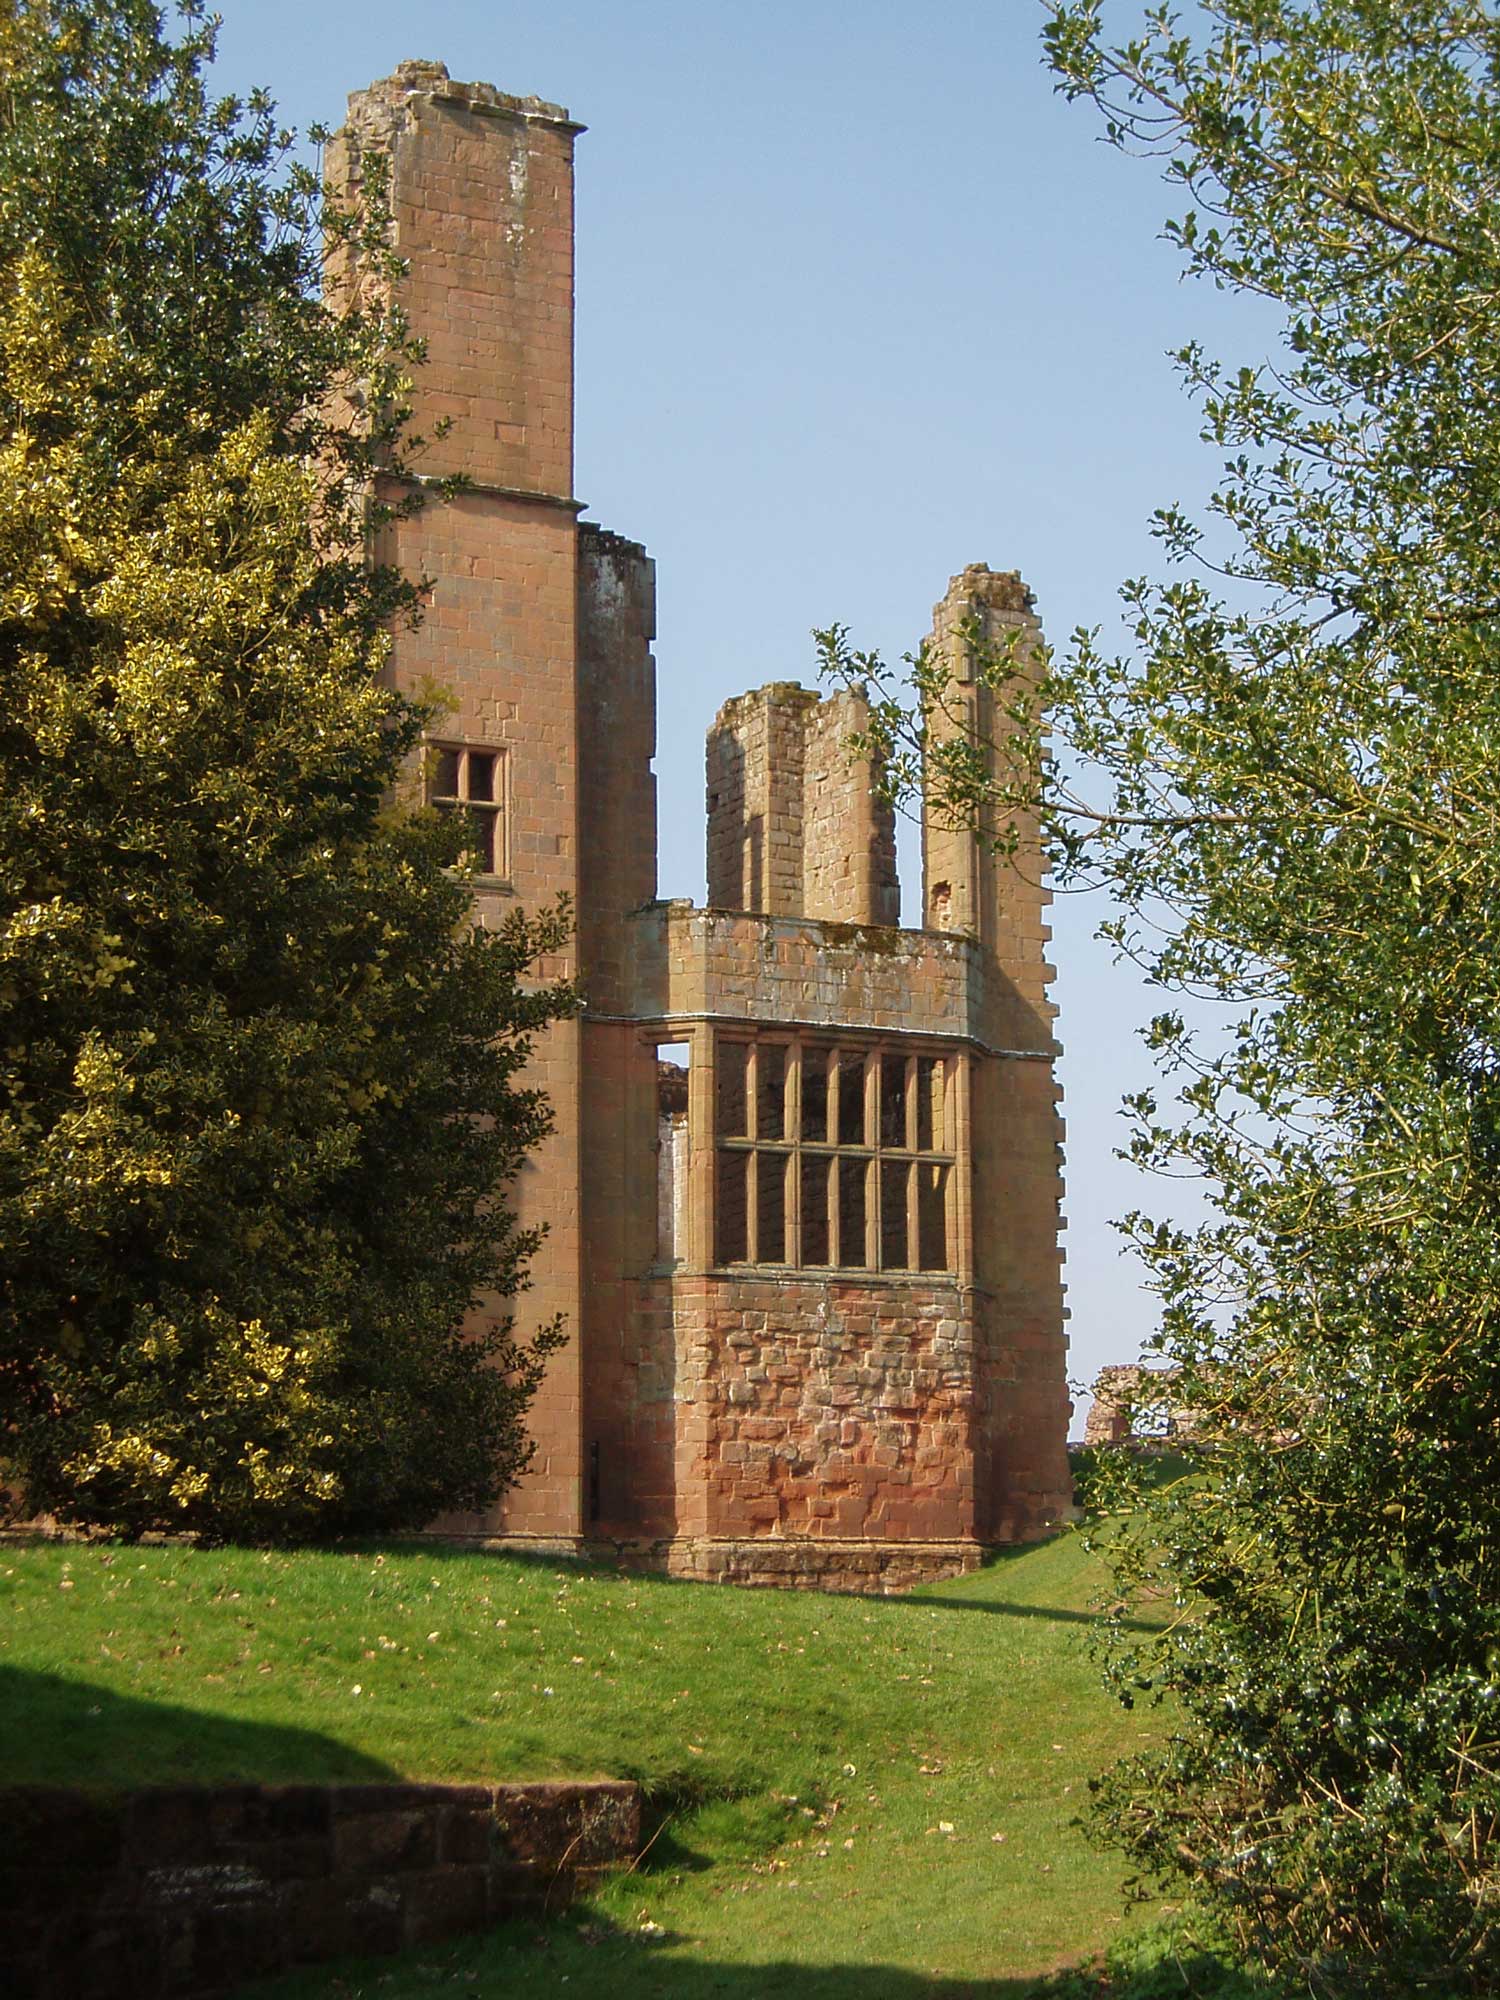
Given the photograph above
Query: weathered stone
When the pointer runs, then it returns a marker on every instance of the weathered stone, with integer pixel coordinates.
(1129, 1405)
(688, 1341)
(393, 1865)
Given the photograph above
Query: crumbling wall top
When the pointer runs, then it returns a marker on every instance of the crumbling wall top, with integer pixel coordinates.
(996, 589)
(781, 694)
(415, 78)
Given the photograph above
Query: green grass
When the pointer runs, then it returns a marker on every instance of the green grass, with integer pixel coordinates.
(848, 1797)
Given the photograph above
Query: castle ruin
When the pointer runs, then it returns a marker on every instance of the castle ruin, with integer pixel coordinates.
(802, 1192)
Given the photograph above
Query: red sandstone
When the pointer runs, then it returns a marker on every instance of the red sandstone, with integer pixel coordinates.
(817, 1334)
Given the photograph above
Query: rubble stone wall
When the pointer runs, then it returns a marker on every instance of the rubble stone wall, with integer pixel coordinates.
(1131, 1402)
(824, 1407)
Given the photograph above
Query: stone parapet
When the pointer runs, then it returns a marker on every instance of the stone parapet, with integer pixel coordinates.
(691, 964)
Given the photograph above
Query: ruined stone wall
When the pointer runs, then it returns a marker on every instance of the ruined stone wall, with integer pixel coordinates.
(1024, 1407)
(482, 210)
(795, 826)
(1001, 1443)
(849, 832)
(998, 895)
(1133, 1403)
(754, 1406)
(966, 884)
(755, 762)
(619, 1109)
(616, 745)
(719, 964)
(481, 197)
(748, 1421)
(634, 1425)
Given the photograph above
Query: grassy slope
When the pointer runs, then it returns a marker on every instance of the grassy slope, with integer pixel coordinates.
(833, 1772)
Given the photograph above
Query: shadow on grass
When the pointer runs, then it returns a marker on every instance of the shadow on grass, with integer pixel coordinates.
(598, 1960)
(1047, 1612)
(71, 1732)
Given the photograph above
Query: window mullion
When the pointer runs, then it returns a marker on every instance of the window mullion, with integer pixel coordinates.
(961, 1198)
(794, 1170)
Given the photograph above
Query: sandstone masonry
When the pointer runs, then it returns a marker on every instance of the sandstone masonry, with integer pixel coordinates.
(184, 1893)
(803, 1189)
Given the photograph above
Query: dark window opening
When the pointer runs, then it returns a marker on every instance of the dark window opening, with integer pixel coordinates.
(932, 1216)
(732, 1210)
(815, 1095)
(853, 1254)
(770, 1208)
(894, 1255)
(851, 1088)
(770, 1090)
(893, 1100)
(816, 1243)
(732, 1071)
(929, 1105)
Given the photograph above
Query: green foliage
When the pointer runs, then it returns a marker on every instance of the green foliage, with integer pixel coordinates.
(1299, 815)
(257, 1072)
(1168, 1960)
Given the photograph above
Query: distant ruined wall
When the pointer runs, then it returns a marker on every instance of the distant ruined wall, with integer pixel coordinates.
(1130, 1405)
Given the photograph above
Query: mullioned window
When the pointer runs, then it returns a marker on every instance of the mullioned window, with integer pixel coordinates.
(832, 1155)
(470, 779)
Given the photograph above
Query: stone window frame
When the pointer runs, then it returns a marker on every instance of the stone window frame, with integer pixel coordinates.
(494, 807)
(875, 1151)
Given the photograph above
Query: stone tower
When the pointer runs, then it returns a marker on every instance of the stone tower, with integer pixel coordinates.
(802, 1192)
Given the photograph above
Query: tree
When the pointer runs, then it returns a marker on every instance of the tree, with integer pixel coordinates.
(1299, 813)
(258, 1070)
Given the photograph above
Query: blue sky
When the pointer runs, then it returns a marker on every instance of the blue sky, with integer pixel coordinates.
(860, 301)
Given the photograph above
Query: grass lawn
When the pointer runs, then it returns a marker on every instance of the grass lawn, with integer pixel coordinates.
(851, 1798)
